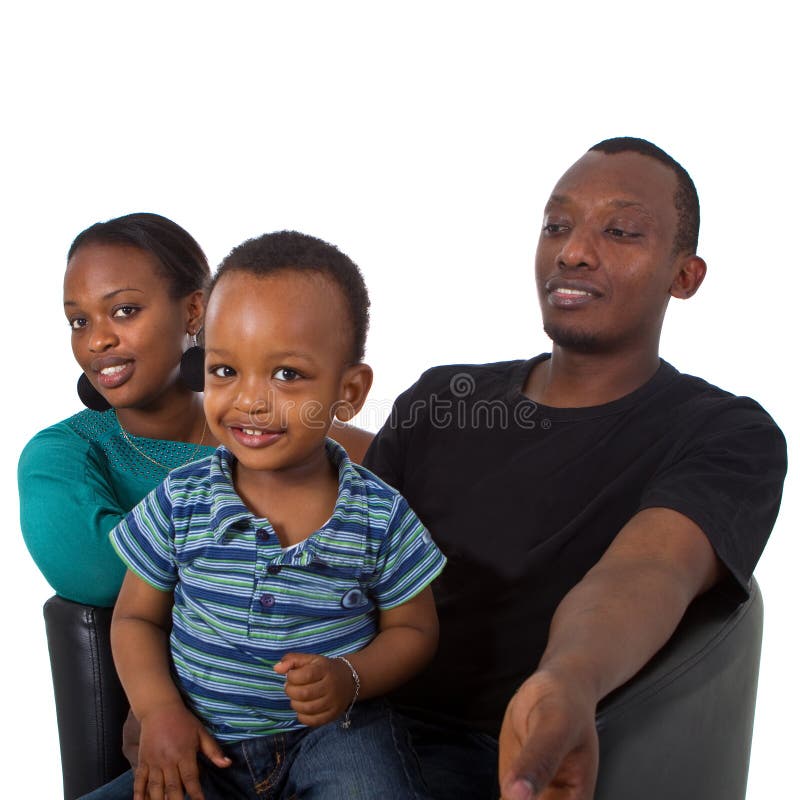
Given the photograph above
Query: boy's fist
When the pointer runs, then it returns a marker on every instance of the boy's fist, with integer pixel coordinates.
(320, 689)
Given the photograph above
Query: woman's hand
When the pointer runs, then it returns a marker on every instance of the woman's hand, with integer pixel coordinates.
(320, 689)
(167, 770)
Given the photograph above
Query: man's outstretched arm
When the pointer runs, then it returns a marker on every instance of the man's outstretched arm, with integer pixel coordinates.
(603, 632)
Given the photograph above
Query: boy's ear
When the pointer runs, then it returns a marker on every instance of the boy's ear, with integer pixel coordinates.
(356, 383)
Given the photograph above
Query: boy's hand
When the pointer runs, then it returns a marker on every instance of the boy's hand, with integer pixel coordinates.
(167, 769)
(320, 689)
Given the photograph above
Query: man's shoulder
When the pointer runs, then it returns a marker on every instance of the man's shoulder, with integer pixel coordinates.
(707, 398)
(460, 379)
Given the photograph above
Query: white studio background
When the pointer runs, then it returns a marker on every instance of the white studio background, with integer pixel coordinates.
(423, 139)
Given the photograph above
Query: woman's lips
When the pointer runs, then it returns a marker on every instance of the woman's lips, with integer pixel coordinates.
(112, 375)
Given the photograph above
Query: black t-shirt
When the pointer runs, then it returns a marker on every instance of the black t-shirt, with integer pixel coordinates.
(524, 499)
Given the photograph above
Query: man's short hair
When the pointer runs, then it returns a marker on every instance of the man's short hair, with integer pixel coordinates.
(298, 252)
(686, 201)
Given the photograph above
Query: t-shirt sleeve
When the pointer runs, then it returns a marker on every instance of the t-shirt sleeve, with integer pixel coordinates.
(144, 540)
(729, 481)
(408, 560)
(67, 508)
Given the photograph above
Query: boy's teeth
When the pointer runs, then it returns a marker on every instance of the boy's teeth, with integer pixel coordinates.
(251, 431)
(112, 370)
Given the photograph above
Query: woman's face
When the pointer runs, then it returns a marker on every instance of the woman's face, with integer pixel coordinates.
(127, 332)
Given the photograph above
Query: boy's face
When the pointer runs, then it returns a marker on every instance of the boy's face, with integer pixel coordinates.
(277, 353)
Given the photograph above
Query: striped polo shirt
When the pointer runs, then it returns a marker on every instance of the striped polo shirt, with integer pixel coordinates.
(242, 601)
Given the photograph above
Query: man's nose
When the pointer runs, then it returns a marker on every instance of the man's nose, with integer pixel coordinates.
(579, 250)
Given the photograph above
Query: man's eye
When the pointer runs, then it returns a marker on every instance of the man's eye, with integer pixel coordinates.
(553, 227)
(77, 323)
(223, 371)
(286, 374)
(125, 311)
(622, 234)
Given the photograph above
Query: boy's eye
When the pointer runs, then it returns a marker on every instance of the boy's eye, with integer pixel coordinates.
(77, 323)
(222, 372)
(125, 311)
(286, 374)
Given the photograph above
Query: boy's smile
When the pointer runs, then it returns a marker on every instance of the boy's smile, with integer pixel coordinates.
(277, 368)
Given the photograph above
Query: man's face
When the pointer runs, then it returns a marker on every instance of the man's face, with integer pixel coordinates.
(605, 264)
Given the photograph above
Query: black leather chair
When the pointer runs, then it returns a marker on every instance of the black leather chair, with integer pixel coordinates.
(90, 704)
(680, 729)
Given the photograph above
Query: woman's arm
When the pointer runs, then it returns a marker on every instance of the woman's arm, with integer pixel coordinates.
(321, 689)
(67, 509)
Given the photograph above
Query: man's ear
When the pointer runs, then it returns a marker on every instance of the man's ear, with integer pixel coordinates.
(692, 270)
(355, 386)
(195, 305)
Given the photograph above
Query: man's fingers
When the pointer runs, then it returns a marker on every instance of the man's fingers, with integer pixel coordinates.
(541, 749)
(210, 748)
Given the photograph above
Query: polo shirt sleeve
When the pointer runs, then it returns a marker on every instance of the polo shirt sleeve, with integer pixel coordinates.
(408, 560)
(728, 479)
(144, 540)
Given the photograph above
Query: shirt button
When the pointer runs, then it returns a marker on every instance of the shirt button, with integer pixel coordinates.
(274, 569)
(267, 600)
(262, 535)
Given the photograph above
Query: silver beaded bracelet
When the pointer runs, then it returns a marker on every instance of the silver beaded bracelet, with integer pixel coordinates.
(346, 722)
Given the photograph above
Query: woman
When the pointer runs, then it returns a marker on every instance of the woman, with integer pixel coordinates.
(134, 298)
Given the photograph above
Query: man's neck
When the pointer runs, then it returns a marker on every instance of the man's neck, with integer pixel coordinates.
(580, 380)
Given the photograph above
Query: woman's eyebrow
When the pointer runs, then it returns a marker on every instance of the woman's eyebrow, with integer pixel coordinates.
(109, 295)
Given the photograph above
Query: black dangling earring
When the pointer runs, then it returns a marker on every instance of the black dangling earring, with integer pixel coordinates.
(192, 369)
(89, 396)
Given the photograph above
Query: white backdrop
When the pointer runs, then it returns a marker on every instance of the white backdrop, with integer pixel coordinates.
(423, 139)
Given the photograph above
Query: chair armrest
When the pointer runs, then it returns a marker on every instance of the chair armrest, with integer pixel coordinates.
(683, 726)
(90, 704)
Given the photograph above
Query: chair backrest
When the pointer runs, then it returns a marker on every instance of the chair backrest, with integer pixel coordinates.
(90, 704)
(682, 727)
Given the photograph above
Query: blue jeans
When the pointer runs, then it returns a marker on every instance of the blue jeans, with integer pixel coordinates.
(455, 763)
(367, 761)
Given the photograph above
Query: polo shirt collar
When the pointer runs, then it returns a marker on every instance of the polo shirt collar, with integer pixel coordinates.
(228, 510)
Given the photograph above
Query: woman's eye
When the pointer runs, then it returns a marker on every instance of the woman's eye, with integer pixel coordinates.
(125, 311)
(286, 374)
(77, 323)
(223, 372)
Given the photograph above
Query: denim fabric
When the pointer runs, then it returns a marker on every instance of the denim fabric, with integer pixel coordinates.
(455, 763)
(364, 762)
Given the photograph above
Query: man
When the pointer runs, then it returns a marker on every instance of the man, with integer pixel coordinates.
(583, 498)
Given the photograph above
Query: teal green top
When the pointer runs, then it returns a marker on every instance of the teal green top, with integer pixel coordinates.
(77, 480)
